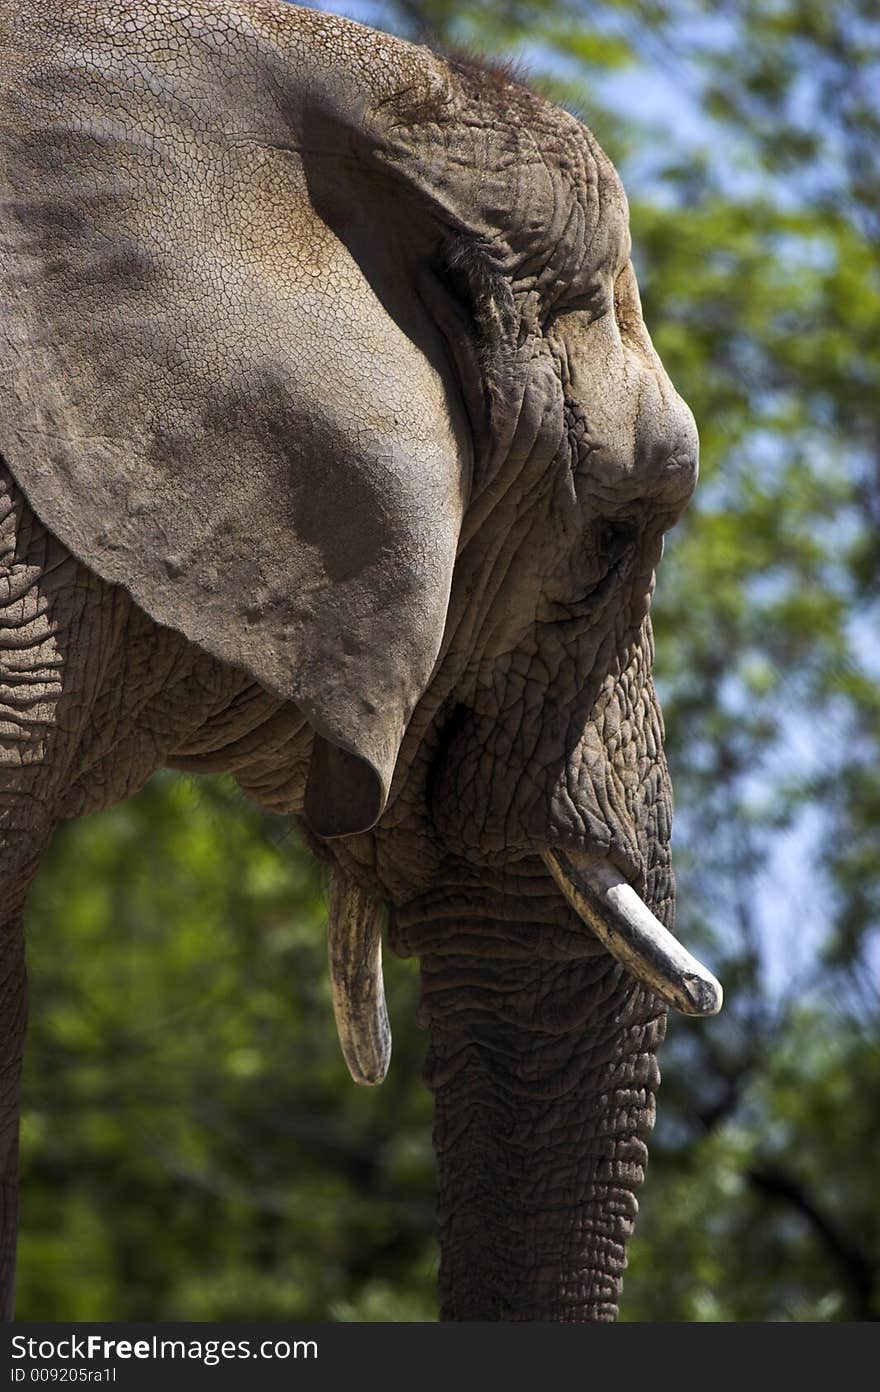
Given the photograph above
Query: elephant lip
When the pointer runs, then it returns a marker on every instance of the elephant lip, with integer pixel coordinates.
(600, 845)
(606, 902)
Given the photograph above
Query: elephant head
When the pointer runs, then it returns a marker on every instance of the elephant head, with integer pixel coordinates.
(330, 352)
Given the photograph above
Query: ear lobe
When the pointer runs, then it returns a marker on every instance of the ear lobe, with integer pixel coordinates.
(345, 794)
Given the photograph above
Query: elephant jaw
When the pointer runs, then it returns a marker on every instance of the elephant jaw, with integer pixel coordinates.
(600, 896)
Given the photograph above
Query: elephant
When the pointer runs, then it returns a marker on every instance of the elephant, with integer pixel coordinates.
(336, 456)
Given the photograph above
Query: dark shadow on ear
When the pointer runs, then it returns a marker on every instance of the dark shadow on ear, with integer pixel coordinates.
(344, 794)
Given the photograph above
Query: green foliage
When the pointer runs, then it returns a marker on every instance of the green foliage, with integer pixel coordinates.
(192, 1145)
(772, 1215)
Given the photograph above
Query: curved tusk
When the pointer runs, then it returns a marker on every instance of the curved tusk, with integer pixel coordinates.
(608, 905)
(354, 945)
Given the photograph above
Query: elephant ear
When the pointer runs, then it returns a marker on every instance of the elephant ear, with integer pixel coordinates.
(201, 393)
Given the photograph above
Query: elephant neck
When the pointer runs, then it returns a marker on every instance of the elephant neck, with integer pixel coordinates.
(543, 1075)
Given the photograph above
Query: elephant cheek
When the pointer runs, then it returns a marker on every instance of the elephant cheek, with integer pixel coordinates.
(488, 799)
(578, 787)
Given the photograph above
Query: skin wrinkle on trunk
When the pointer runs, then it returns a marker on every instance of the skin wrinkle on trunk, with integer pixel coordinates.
(544, 1077)
(541, 1055)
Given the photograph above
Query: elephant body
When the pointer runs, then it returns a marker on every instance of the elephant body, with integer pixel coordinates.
(335, 454)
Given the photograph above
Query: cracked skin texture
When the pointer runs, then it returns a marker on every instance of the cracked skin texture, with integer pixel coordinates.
(336, 454)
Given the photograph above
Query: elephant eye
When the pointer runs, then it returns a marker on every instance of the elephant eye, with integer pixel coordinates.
(611, 548)
(615, 537)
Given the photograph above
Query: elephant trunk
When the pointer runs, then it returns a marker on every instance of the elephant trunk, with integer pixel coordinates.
(543, 1072)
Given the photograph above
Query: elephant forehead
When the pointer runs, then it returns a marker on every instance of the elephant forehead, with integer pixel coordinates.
(568, 223)
(577, 217)
(524, 174)
(588, 177)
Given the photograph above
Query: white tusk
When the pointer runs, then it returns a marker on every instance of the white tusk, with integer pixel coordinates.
(608, 905)
(354, 945)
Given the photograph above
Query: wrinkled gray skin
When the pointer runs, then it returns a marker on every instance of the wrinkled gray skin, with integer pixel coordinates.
(336, 454)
